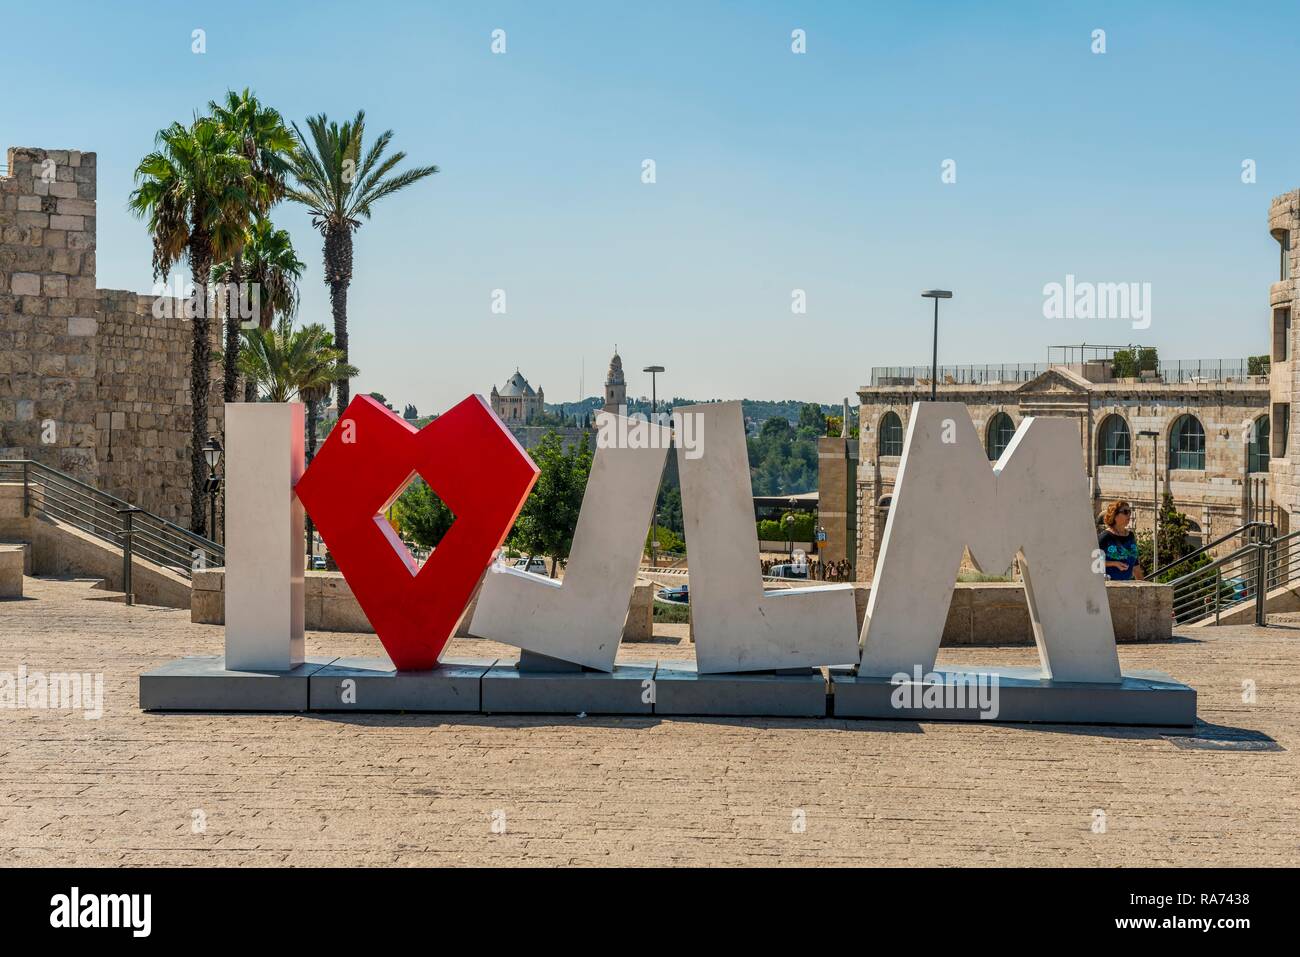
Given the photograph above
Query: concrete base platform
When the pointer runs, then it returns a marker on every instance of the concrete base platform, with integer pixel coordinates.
(373, 684)
(627, 690)
(204, 684)
(1008, 694)
(796, 693)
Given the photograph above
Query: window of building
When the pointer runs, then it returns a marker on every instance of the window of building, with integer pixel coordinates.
(1187, 444)
(1282, 334)
(1259, 445)
(1001, 429)
(1193, 535)
(1115, 443)
(1280, 428)
(891, 434)
(1284, 241)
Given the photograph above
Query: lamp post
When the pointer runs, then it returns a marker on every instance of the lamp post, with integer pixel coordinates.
(654, 371)
(789, 530)
(212, 455)
(936, 295)
(654, 527)
(1155, 495)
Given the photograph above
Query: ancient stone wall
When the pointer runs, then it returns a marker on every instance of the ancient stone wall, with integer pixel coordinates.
(82, 368)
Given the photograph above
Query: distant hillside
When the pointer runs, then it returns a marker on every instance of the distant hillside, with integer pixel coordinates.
(756, 411)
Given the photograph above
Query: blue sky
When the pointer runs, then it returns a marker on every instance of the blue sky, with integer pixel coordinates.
(775, 172)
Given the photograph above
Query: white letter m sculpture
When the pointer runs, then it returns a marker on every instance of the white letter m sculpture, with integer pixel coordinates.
(1033, 503)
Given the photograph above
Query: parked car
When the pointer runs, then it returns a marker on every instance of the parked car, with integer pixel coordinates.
(318, 563)
(789, 571)
(532, 564)
(680, 595)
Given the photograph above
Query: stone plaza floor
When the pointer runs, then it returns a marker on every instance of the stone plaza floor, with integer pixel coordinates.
(354, 789)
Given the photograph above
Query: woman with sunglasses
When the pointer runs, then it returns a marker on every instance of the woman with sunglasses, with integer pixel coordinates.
(1118, 544)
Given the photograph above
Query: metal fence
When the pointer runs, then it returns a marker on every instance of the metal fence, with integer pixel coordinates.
(49, 492)
(1178, 372)
(1244, 576)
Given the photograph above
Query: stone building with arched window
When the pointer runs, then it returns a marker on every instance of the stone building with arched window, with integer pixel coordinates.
(1211, 448)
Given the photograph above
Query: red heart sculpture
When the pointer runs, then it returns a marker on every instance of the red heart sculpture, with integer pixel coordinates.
(473, 463)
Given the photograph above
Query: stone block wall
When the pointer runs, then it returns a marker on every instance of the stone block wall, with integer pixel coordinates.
(48, 305)
(1284, 226)
(143, 392)
(329, 605)
(996, 613)
(83, 368)
(837, 498)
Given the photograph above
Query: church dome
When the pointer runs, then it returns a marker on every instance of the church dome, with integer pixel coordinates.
(517, 385)
(615, 376)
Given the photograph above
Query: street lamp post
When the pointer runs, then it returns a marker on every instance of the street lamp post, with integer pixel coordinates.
(936, 295)
(654, 526)
(654, 371)
(212, 455)
(789, 530)
(1155, 495)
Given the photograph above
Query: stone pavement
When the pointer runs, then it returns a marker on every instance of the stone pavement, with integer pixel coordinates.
(229, 790)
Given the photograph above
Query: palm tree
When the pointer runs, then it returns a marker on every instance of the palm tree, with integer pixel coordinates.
(263, 139)
(193, 191)
(285, 362)
(270, 263)
(339, 187)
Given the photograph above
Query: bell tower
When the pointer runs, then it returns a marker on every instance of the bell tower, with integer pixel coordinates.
(615, 385)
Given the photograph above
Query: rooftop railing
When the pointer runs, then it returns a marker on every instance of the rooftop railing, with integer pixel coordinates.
(1175, 372)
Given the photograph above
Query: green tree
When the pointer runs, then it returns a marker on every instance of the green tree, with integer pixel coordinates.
(269, 261)
(1175, 530)
(546, 524)
(258, 134)
(811, 420)
(1123, 364)
(835, 426)
(283, 361)
(339, 181)
(194, 192)
(420, 516)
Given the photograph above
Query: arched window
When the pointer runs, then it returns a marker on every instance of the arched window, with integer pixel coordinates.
(998, 437)
(1114, 442)
(1259, 445)
(1187, 444)
(891, 434)
(1193, 535)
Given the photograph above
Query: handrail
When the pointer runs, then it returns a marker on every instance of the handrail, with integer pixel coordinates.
(1207, 591)
(1218, 541)
(50, 492)
(1246, 574)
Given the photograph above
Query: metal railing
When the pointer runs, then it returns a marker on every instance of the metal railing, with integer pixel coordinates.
(1245, 575)
(57, 495)
(1249, 533)
(992, 374)
(1177, 372)
(1224, 583)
